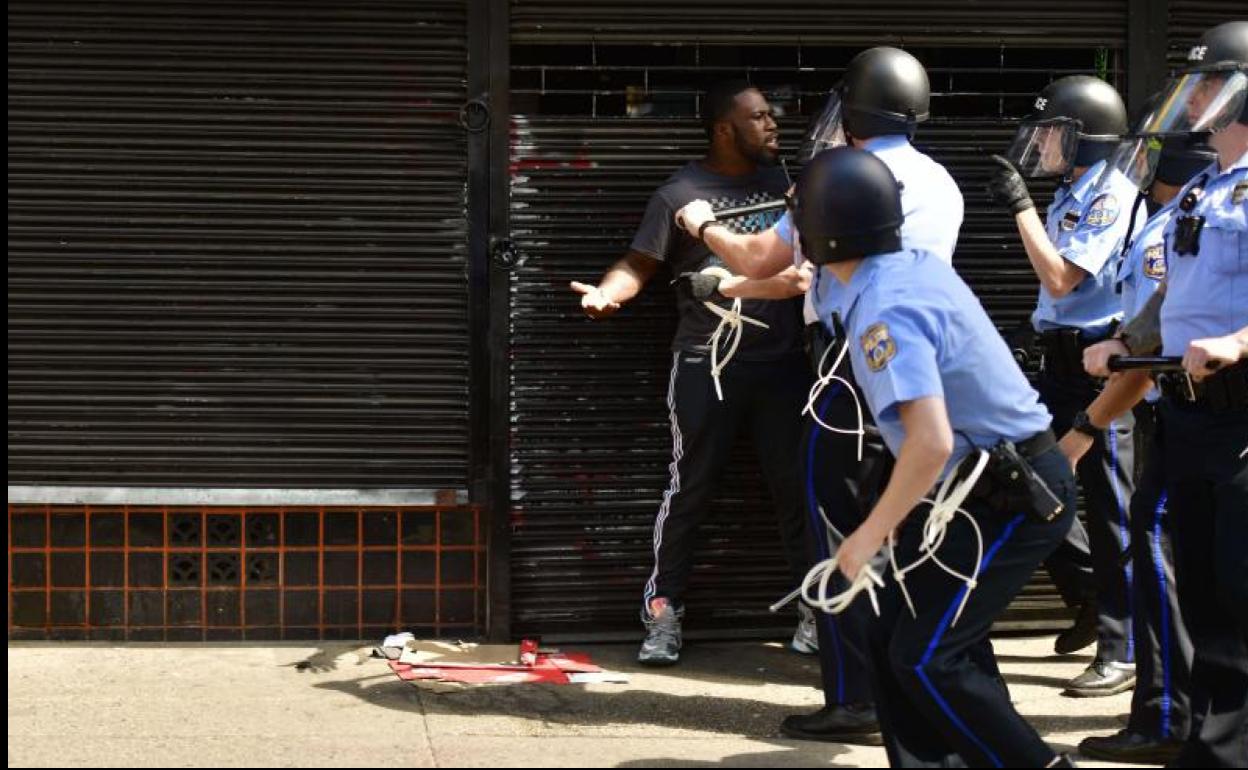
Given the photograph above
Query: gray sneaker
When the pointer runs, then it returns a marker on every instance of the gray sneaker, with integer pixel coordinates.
(662, 644)
(806, 637)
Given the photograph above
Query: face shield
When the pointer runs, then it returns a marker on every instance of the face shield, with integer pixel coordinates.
(1136, 158)
(1045, 148)
(1203, 100)
(826, 131)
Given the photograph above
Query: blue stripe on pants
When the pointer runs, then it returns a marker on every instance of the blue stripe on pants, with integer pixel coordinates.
(821, 543)
(940, 631)
(1159, 566)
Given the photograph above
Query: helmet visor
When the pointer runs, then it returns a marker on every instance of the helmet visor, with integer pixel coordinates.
(1045, 148)
(826, 131)
(1136, 158)
(1199, 101)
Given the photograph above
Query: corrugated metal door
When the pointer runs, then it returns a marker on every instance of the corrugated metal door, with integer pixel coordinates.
(1189, 19)
(603, 102)
(237, 244)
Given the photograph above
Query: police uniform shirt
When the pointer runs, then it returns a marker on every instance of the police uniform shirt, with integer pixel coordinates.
(1087, 233)
(1207, 293)
(1143, 268)
(930, 200)
(915, 330)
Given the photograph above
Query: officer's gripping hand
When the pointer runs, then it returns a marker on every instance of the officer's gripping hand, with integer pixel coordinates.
(857, 551)
(593, 301)
(1008, 188)
(701, 285)
(1096, 357)
(694, 215)
(1204, 357)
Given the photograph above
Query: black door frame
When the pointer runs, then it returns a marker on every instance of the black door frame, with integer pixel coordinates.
(490, 259)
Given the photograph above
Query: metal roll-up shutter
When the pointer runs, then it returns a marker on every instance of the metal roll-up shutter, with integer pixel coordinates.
(1189, 19)
(862, 22)
(237, 244)
(599, 120)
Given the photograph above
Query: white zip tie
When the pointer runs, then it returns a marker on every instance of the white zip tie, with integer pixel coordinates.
(945, 507)
(821, 384)
(731, 326)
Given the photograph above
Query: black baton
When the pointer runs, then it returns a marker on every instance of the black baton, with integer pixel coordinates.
(754, 208)
(1152, 363)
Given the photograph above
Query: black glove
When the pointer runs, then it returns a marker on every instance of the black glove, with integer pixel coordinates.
(701, 286)
(1008, 188)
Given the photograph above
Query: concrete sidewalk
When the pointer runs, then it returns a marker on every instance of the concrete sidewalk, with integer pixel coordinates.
(254, 705)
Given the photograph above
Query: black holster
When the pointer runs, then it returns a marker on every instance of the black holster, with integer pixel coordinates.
(1010, 483)
(1221, 393)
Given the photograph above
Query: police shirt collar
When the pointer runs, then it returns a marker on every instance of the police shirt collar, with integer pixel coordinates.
(862, 278)
(1239, 164)
(886, 142)
(1079, 190)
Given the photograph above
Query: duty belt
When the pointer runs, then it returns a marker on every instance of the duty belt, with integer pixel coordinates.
(1223, 392)
(1062, 351)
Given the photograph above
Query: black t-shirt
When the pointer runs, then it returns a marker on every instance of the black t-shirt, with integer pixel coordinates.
(660, 237)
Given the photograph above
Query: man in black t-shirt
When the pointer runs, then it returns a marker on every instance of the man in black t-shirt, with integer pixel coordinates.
(764, 386)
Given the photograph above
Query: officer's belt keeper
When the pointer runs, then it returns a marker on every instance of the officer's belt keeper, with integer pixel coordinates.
(1010, 482)
(1223, 392)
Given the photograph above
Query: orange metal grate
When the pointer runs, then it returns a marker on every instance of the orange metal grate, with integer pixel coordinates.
(212, 574)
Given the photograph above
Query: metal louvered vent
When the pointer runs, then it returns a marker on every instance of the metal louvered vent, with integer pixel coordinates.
(1189, 19)
(237, 244)
(860, 22)
(596, 127)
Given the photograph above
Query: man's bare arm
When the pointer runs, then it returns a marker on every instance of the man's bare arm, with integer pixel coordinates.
(620, 284)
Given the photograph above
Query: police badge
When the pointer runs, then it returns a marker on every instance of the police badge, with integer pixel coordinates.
(878, 346)
(1103, 211)
(1155, 261)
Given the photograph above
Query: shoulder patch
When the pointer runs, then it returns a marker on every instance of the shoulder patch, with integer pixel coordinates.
(1239, 193)
(1103, 211)
(1155, 261)
(878, 346)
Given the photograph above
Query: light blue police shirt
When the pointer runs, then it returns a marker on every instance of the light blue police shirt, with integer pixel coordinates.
(930, 200)
(1089, 234)
(915, 330)
(1143, 268)
(1207, 293)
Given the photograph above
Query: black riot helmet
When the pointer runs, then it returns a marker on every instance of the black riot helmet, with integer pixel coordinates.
(1211, 92)
(847, 206)
(884, 91)
(1078, 121)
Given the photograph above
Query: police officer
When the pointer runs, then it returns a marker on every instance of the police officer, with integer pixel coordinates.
(941, 385)
(1160, 706)
(1201, 315)
(878, 105)
(1078, 122)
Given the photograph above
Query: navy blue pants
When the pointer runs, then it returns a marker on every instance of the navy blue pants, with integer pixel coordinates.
(939, 696)
(1161, 703)
(830, 462)
(1107, 476)
(1206, 478)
